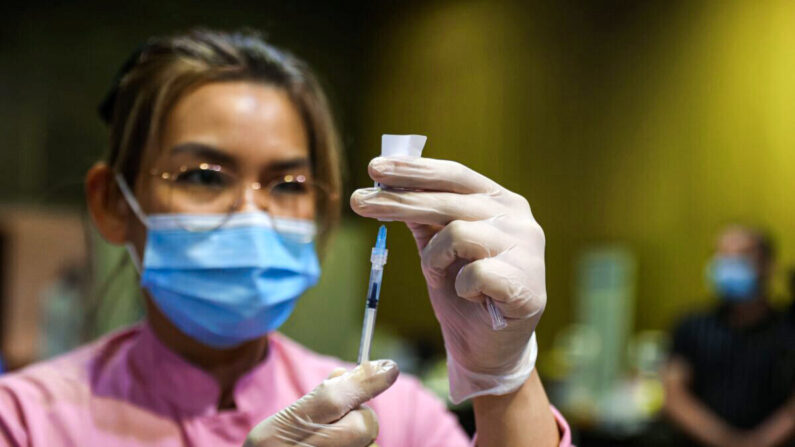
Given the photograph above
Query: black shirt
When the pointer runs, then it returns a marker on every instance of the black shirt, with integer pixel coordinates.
(742, 374)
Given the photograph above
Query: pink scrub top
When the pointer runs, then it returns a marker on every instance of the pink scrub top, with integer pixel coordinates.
(129, 390)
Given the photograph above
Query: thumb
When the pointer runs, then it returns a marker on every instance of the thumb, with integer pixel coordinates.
(337, 372)
(345, 391)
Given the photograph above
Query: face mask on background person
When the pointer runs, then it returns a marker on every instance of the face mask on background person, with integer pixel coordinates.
(234, 283)
(734, 278)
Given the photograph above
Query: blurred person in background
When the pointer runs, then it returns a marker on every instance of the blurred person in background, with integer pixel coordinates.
(730, 379)
(223, 172)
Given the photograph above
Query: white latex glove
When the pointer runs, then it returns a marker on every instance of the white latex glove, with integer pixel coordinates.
(332, 414)
(476, 240)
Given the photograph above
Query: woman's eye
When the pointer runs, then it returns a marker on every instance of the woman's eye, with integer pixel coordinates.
(204, 177)
(290, 188)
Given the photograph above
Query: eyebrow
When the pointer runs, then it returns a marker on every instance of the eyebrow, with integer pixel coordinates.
(211, 153)
(289, 164)
(216, 155)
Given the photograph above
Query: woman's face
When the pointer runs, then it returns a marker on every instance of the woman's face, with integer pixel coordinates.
(223, 148)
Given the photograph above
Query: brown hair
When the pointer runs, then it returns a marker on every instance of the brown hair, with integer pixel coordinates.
(156, 76)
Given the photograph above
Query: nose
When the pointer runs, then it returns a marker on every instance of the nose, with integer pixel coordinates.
(252, 200)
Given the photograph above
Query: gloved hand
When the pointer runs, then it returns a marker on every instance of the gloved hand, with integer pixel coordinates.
(476, 240)
(332, 414)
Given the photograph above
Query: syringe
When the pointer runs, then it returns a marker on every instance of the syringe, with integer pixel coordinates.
(377, 260)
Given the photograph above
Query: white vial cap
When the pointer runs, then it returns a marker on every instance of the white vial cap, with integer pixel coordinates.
(402, 145)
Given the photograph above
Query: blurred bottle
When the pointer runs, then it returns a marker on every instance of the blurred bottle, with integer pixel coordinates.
(62, 313)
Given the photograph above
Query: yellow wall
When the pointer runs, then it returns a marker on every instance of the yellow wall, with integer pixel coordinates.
(652, 134)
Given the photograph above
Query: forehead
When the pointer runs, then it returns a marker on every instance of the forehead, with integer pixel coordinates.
(250, 121)
(737, 241)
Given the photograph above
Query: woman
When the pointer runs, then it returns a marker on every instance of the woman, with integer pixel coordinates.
(223, 171)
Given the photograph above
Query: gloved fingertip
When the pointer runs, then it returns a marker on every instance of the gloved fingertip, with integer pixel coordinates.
(360, 196)
(379, 165)
(462, 284)
(364, 193)
(384, 366)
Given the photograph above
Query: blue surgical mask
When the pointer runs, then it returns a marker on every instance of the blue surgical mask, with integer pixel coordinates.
(229, 285)
(734, 278)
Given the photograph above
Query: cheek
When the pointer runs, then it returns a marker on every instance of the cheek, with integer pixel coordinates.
(156, 197)
(307, 210)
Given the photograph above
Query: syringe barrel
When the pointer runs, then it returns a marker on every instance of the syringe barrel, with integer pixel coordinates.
(374, 288)
(367, 335)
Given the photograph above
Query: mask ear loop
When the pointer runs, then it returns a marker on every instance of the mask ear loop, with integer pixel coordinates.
(136, 261)
(129, 197)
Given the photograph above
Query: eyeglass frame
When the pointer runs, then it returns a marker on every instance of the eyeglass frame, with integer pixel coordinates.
(171, 176)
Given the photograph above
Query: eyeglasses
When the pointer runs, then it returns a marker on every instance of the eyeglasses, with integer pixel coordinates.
(209, 189)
